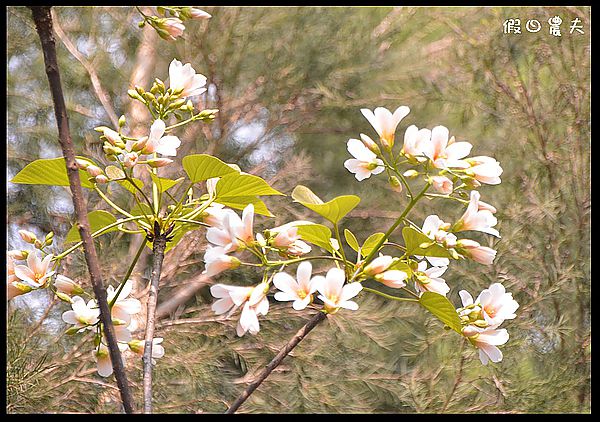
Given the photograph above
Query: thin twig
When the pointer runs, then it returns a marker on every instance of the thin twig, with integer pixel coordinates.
(158, 249)
(320, 316)
(43, 23)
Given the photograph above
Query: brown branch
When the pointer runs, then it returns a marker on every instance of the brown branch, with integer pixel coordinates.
(320, 316)
(43, 23)
(158, 249)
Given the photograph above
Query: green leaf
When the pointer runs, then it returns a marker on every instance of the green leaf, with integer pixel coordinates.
(98, 219)
(235, 185)
(351, 239)
(129, 186)
(414, 238)
(370, 243)
(201, 167)
(163, 183)
(442, 308)
(402, 266)
(333, 210)
(317, 234)
(49, 171)
(240, 202)
(141, 209)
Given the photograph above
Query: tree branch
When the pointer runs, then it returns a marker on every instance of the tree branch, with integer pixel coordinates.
(43, 23)
(307, 328)
(158, 249)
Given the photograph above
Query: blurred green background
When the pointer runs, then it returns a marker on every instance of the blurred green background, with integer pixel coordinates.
(289, 83)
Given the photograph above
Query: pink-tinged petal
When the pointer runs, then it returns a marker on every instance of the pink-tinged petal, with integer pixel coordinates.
(493, 337)
(70, 317)
(465, 297)
(263, 307)
(439, 139)
(24, 273)
(360, 151)
(458, 150)
(131, 305)
(422, 266)
(334, 281)
(223, 305)
(483, 357)
(383, 119)
(218, 237)
(240, 294)
(303, 274)
(168, 145)
(285, 283)
(258, 293)
(34, 263)
(437, 285)
(104, 366)
(156, 131)
(46, 264)
(378, 169)
(492, 352)
(350, 290)
(248, 319)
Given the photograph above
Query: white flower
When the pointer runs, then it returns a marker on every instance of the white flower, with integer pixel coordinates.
(164, 145)
(103, 362)
(433, 227)
(416, 142)
(256, 305)
(392, 278)
(484, 169)
(385, 123)
(476, 218)
(486, 341)
(184, 78)
(299, 248)
(13, 286)
(429, 280)
(442, 184)
(216, 261)
(334, 293)
(299, 290)
(83, 315)
(495, 304)
(234, 232)
(123, 307)
(364, 163)
(36, 272)
(444, 152)
(229, 297)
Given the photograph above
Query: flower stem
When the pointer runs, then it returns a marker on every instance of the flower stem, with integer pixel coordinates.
(401, 299)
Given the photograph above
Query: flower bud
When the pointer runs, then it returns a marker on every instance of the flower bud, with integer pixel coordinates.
(189, 106)
(67, 286)
(38, 244)
(159, 162)
(112, 136)
(469, 331)
(82, 164)
(137, 346)
(133, 94)
(198, 14)
(149, 96)
(64, 297)
(172, 26)
(177, 104)
(101, 179)
(411, 174)
(27, 236)
(140, 144)
(94, 170)
(208, 114)
(72, 330)
(370, 144)
(122, 121)
(18, 255)
(395, 184)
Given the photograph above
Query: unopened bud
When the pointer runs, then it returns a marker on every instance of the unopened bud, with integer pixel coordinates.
(27, 236)
(94, 170)
(370, 144)
(18, 255)
(64, 297)
(82, 164)
(112, 136)
(122, 121)
(67, 286)
(159, 162)
(117, 321)
(101, 179)
(134, 94)
(49, 238)
(189, 106)
(198, 14)
(208, 114)
(137, 346)
(411, 174)
(149, 96)
(140, 144)
(38, 244)
(395, 184)
(139, 90)
(177, 104)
